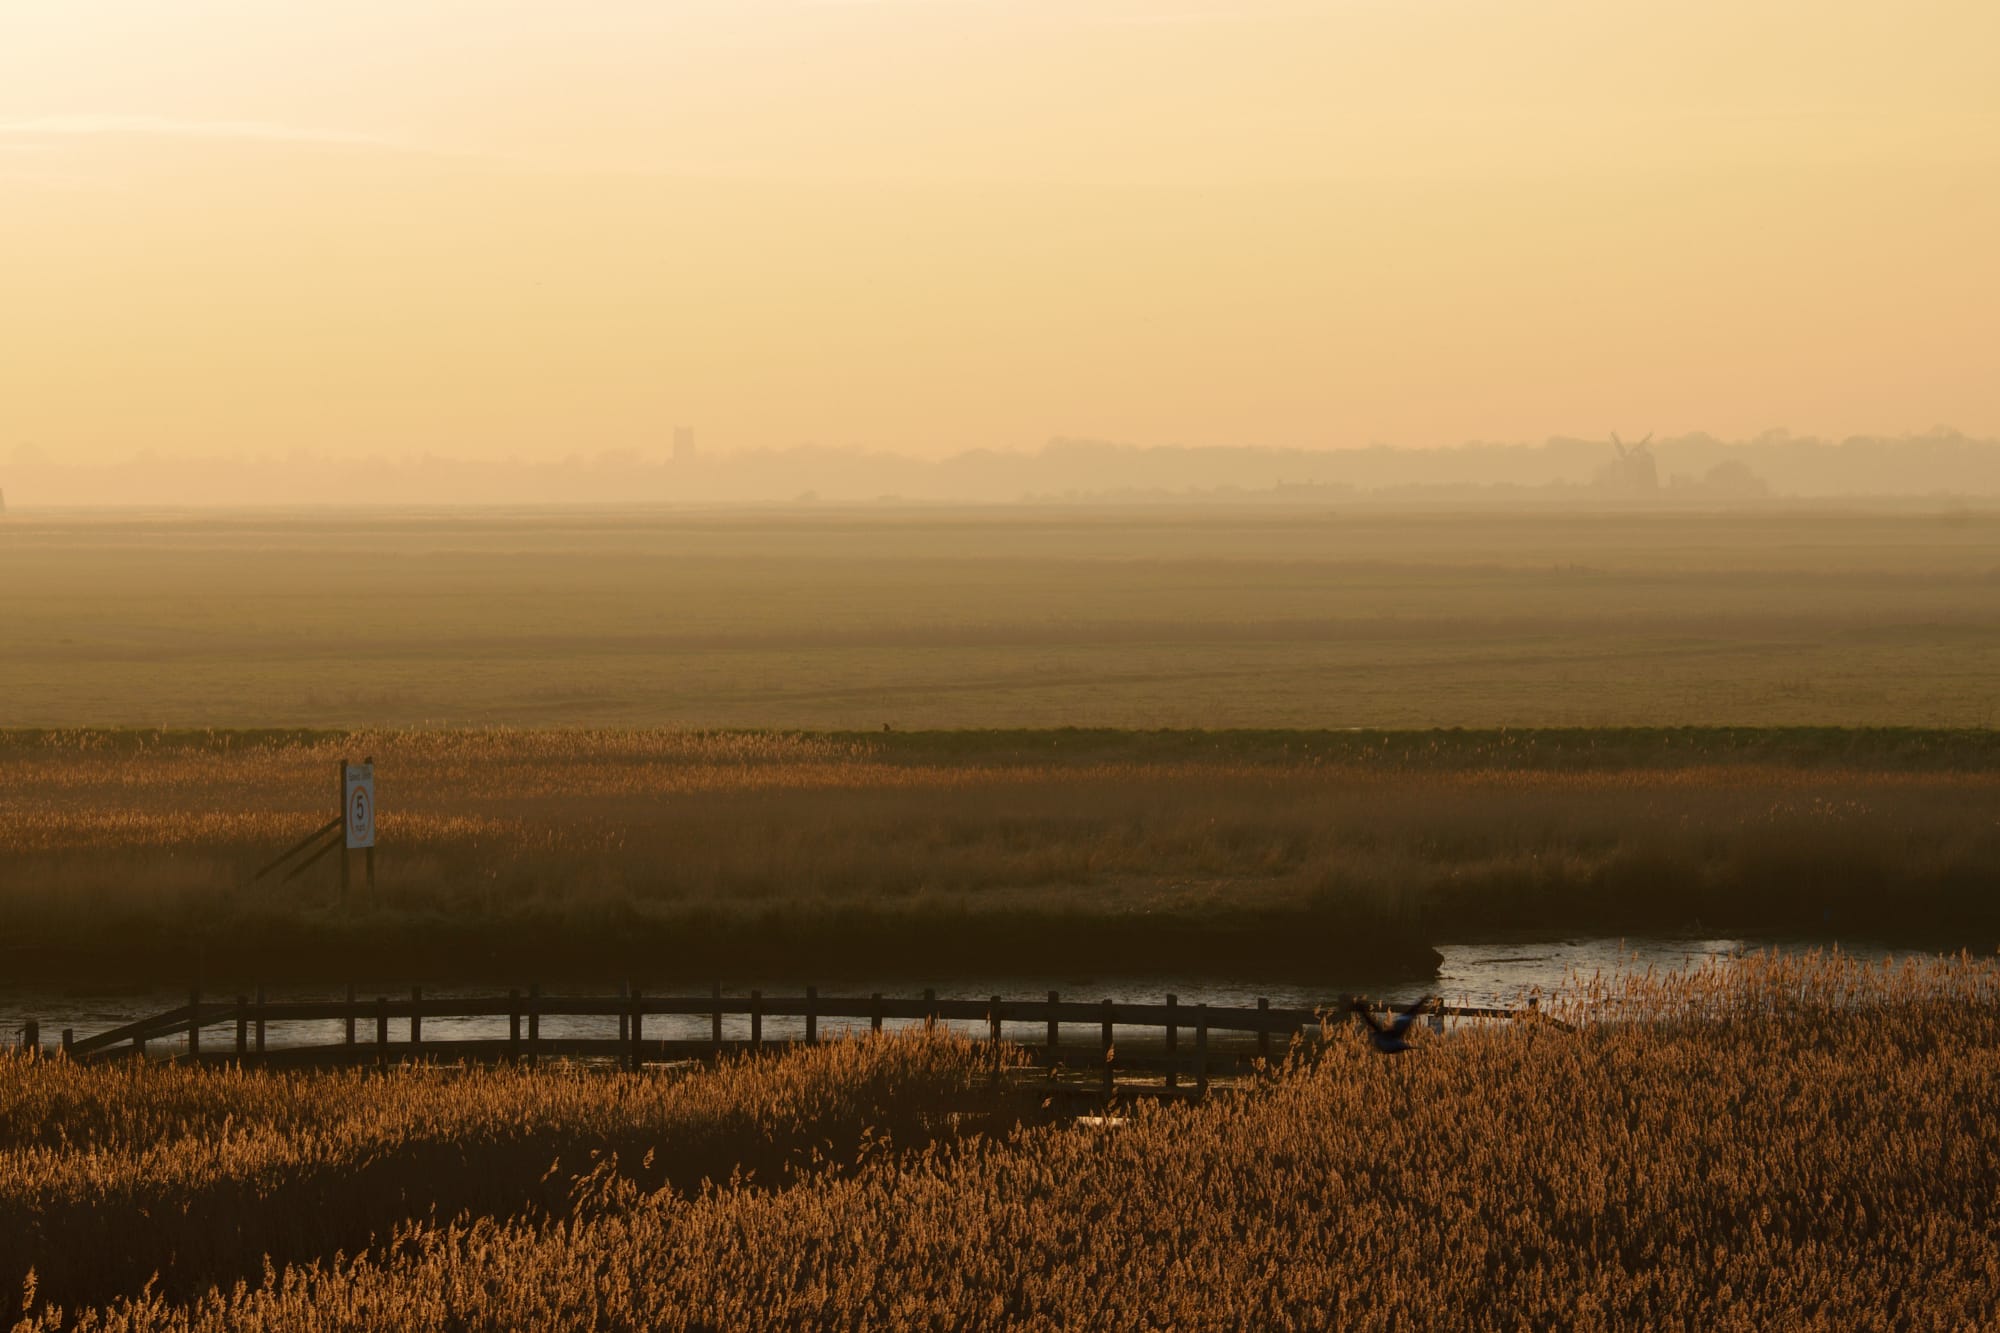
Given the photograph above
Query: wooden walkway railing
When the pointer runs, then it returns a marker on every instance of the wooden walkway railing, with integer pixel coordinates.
(1245, 1032)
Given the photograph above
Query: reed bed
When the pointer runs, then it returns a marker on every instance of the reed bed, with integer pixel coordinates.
(114, 1174)
(675, 855)
(1773, 1143)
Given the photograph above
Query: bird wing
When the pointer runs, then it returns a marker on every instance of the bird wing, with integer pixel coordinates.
(1408, 1015)
(1374, 1024)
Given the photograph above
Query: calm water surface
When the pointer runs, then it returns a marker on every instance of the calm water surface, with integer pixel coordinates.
(1471, 974)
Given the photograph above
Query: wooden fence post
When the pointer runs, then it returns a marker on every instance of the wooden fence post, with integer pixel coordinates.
(715, 1019)
(624, 1012)
(1055, 1027)
(242, 1027)
(1110, 1052)
(139, 1047)
(350, 1022)
(381, 1031)
(993, 1031)
(260, 1020)
(812, 1015)
(756, 1020)
(1263, 1028)
(1201, 1050)
(194, 1022)
(31, 1037)
(68, 1040)
(534, 1022)
(875, 1012)
(368, 857)
(638, 1025)
(1173, 1045)
(416, 1023)
(514, 1026)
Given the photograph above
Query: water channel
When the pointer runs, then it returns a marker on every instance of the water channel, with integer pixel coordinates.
(1480, 974)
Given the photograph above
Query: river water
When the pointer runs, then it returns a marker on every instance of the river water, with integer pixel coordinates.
(1483, 974)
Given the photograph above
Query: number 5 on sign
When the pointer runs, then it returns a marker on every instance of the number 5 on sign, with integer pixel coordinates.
(358, 800)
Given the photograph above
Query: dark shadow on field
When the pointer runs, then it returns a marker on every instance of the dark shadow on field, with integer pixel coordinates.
(90, 1247)
(1324, 941)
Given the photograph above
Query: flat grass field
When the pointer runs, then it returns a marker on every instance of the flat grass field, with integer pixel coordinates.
(1320, 857)
(999, 618)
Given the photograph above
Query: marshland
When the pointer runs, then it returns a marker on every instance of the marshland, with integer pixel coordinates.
(1764, 1143)
(651, 748)
(1116, 664)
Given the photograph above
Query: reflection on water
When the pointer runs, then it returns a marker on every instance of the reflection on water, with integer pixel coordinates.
(1471, 974)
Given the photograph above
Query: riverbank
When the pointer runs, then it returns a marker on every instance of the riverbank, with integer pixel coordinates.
(128, 857)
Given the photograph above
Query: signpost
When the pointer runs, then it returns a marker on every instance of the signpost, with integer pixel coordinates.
(353, 827)
(357, 806)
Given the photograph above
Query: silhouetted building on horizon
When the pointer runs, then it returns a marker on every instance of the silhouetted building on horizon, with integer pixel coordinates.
(1632, 472)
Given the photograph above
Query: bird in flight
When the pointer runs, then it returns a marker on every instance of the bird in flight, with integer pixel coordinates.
(1391, 1038)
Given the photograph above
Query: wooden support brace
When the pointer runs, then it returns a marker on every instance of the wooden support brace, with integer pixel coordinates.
(341, 839)
(381, 1031)
(1173, 1043)
(242, 1027)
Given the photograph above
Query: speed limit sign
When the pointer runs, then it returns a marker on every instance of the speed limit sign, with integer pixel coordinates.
(358, 802)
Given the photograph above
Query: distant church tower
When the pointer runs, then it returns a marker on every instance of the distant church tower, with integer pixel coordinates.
(684, 444)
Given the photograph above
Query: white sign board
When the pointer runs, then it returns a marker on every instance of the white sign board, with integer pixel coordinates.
(358, 801)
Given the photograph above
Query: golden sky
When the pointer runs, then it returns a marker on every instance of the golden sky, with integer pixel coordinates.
(514, 228)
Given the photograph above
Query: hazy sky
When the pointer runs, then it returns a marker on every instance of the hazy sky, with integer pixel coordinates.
(510, 227)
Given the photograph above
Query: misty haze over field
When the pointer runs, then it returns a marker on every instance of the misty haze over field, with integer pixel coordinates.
(1695, 470)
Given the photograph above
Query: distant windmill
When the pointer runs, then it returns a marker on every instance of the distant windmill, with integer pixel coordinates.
(1633, 471)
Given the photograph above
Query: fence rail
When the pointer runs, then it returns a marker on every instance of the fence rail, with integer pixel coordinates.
(1249, 1032)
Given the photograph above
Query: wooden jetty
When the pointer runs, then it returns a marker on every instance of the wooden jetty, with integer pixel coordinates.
(1176, 1041)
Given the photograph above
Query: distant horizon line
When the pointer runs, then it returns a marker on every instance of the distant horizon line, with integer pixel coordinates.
(30, 454)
